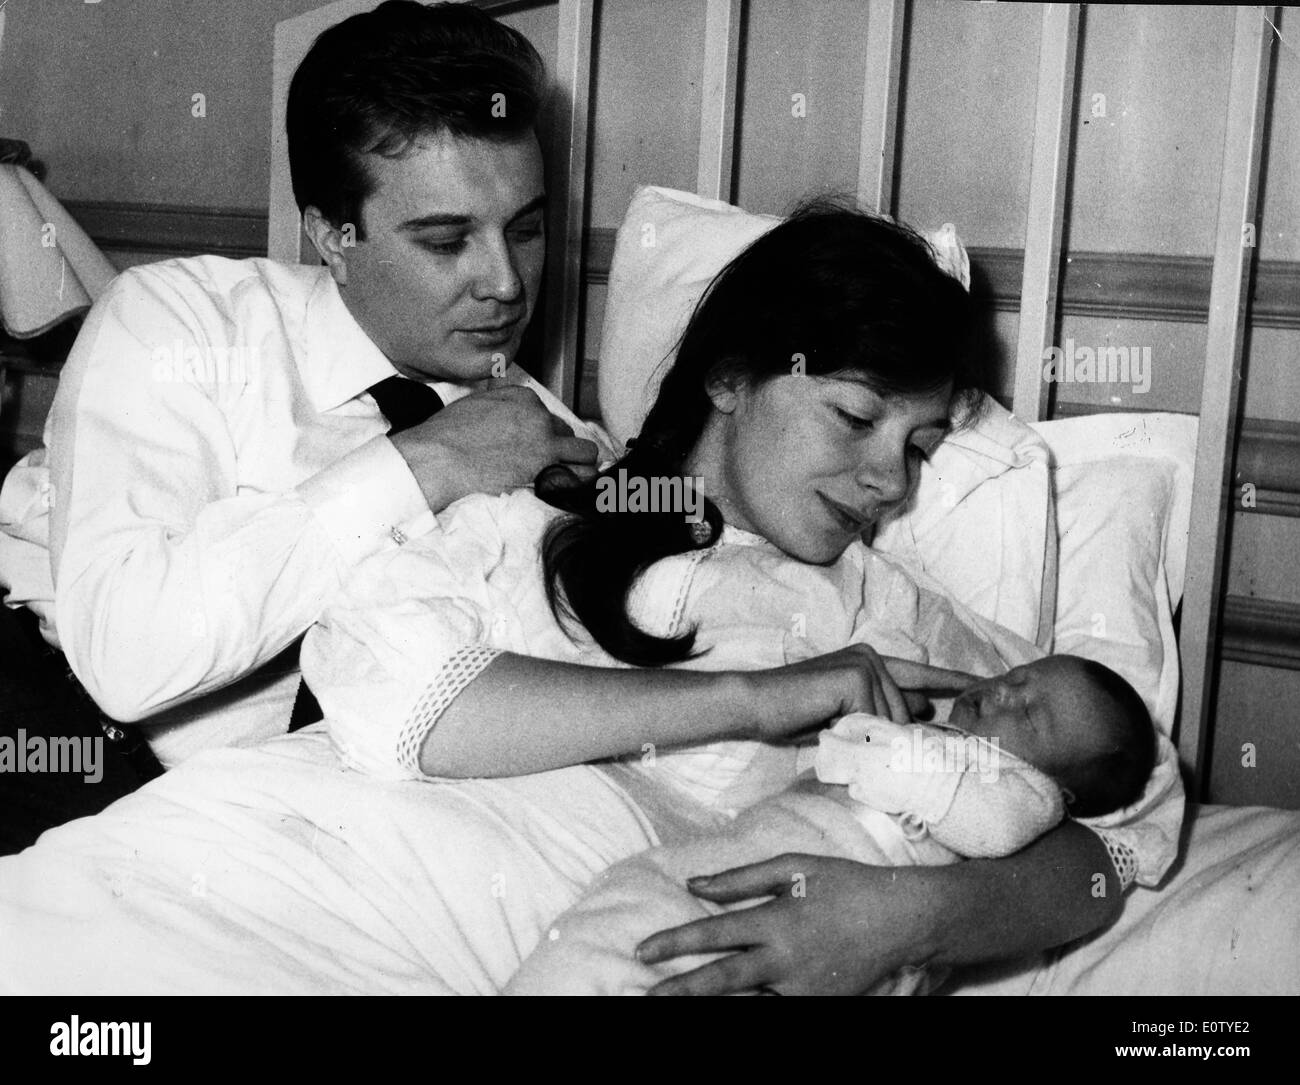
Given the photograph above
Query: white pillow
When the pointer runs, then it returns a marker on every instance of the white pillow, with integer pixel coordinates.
(1123, 486)
(981, 522)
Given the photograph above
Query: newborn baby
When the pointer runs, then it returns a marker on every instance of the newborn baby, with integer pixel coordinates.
(1060, 734)
(1019, 750)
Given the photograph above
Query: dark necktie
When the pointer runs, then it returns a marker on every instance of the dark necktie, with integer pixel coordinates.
(405, 403)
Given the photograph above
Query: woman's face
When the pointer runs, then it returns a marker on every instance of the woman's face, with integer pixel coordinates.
(810, 462)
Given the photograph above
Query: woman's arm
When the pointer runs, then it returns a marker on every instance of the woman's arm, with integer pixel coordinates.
(1059, 888)
(849, 925)
(522, 714)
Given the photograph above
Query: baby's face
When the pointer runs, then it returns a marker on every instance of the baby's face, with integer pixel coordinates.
(1044, 712)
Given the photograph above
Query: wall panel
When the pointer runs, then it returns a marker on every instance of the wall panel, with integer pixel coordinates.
(1163, 72)
(794, 48)
(968, 95)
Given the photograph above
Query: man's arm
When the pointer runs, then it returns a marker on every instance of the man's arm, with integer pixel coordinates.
(169, 581)
(172, 579)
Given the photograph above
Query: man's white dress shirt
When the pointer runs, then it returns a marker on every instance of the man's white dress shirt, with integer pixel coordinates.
(213, 469)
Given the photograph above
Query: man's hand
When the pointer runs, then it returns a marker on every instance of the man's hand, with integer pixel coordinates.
(489, 442)
(832, 926)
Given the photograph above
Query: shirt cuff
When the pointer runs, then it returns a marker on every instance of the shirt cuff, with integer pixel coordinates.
(1122, 857)
(367, 500)
(457, 672)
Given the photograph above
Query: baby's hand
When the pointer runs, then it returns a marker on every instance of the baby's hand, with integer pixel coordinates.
(863, 752)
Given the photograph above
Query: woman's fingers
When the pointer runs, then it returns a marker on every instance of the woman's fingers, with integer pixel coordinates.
(876, 705)
(738, 972)
(716, 934)
(894, 700)
(574, 450)
(871, 673)
(918, 704)
(734, 930)
(923, 677)
(765, 879)
(883, 695)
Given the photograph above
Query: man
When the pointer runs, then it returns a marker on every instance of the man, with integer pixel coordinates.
(218, 459)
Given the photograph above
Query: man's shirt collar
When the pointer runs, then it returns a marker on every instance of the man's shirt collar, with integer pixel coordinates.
(341, 361)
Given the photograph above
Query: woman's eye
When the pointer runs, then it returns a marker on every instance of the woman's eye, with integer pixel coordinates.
(527, 233)
(854, 421)
(445, 248)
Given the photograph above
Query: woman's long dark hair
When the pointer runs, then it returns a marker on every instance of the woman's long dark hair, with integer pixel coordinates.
(843, 289)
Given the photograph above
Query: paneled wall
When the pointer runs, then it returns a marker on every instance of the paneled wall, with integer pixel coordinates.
(104, 93)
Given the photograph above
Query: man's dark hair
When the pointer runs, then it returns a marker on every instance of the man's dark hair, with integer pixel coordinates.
(379, 81)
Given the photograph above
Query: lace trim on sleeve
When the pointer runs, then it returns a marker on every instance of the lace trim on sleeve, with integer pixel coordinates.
(458, 672)
(1122, 856)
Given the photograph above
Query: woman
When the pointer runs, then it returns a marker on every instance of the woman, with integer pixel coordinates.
(817, 372)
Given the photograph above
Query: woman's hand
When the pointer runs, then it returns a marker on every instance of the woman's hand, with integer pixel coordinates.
(835, 926)
(854, 679)
(831, 927)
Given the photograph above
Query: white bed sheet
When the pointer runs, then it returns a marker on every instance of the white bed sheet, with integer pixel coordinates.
(274, 870)
(1226, 921)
